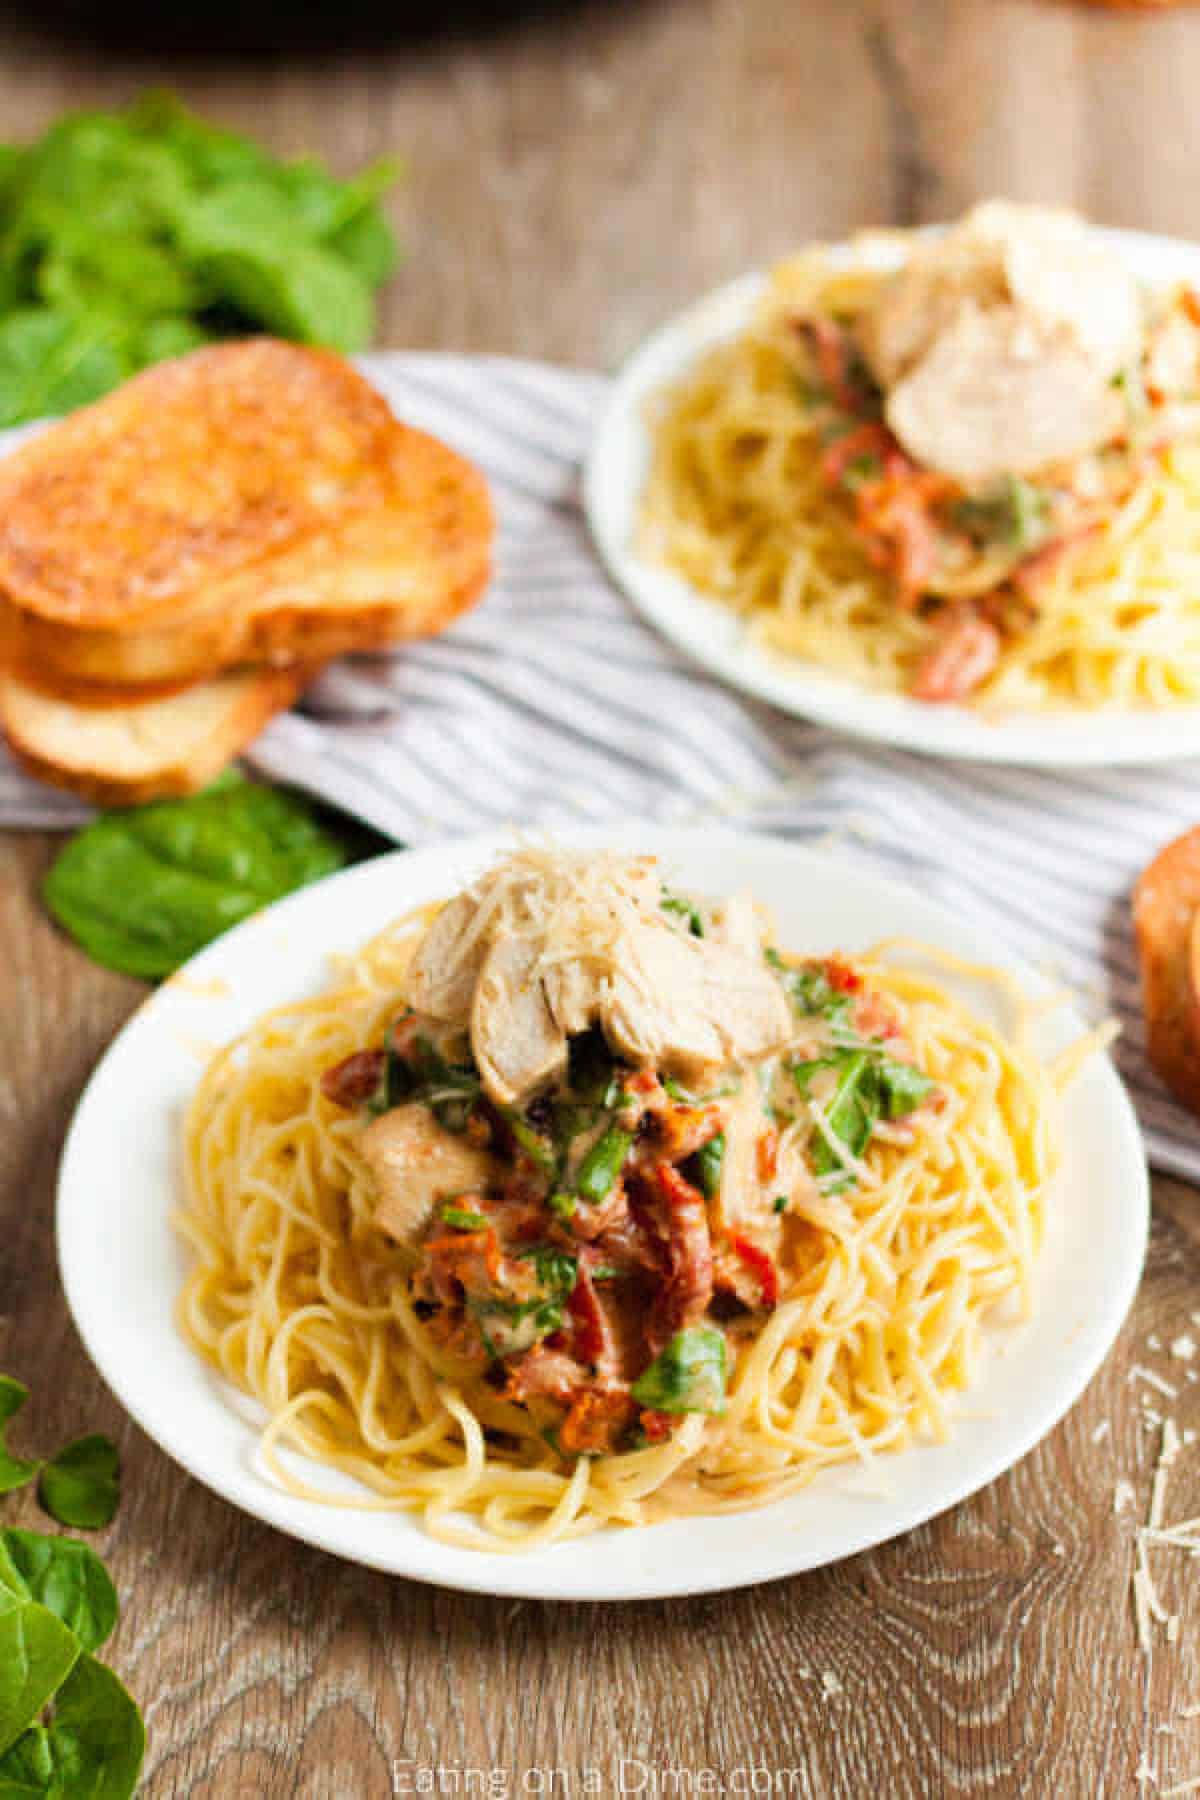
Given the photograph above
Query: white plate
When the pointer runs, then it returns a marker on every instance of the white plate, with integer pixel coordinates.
(122, 1264)
(716, 637)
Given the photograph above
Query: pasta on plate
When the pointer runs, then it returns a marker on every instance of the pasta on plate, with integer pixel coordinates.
(972, 478)
(576, 1203)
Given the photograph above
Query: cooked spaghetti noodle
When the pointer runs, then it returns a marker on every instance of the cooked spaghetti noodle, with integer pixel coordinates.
(298, 1297)
(741, 501)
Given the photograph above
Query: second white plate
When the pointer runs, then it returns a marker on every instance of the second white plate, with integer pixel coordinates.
(716, 637)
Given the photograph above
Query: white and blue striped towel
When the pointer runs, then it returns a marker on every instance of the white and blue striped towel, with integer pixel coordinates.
(552, 702)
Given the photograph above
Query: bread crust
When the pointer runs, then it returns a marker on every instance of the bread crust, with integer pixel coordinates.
(253, 502)
(1166, 918)
(73, 748)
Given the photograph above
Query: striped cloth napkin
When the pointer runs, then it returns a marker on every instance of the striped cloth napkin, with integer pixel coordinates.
(553, 703)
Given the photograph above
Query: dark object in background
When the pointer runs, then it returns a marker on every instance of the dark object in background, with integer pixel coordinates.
(267, 27)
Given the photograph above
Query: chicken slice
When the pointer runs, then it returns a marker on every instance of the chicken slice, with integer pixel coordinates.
(1048, 263)
(738, 924)
(687, 1004)
(743, 1203)
(516, 1041)
(993, 398)
(417, 1165)
(572, 991)
(444, 970)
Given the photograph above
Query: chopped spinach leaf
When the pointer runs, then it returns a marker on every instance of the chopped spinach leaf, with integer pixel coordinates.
(870, 1085)
(707, 1163)
(536, 1147)
(1013, 513)
(556, 1269)
(684, 909)
(688, 1376)
(463, 1220)
(861, 469)
(903, 1086)
(810, 990)
(601, 1167)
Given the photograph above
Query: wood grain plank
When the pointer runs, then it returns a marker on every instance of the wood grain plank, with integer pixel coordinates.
(571, 182)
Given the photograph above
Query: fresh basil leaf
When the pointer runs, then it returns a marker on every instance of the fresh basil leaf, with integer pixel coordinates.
(91, 1748)
(143, 889)
(64, 1576)
(14, 1470)
(688, 1376)
(81, 1485)
(37, 1653)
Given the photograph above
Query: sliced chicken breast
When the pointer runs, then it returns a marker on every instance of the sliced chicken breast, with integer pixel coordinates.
(417, 1166)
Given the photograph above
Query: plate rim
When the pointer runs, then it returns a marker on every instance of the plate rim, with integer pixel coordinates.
(1105, 737)
(532, 1575)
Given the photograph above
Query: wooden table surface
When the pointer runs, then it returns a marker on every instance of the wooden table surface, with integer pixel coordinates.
(572, 181)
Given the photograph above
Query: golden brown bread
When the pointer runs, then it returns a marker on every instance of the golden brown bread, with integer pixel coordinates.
(119, 754)
(251, 501)
(1166, 918)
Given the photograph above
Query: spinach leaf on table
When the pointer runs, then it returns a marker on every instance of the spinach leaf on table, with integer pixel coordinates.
(81, 1484)
(14, 1470)
(133, 235)
(37, 1653)
(69, 1730)
(245, 249)
(90, 1748)
(145, 888)
(65, 1577)
(51, 362)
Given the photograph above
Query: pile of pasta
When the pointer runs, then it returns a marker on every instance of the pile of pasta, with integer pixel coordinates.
(300, 1301)
(736, 503)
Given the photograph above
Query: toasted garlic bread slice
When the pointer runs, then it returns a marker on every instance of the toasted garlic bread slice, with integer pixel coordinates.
(1166, 919)
(250, 501)
(121, 754)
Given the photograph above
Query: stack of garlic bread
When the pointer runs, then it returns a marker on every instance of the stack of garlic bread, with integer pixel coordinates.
(178, 560)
